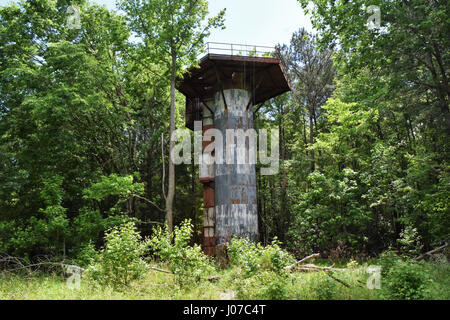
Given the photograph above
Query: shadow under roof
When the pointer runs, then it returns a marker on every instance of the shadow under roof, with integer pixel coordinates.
(264, 77)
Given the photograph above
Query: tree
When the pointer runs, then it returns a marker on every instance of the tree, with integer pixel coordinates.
(311, 71)
(410, 47)
(75, 105)
(57, 123)
(399, 73)
(172, 33)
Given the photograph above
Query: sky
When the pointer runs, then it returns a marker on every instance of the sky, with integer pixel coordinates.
(251, 22)
(259, 22)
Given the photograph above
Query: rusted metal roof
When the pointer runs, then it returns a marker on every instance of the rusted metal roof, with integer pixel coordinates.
(262, 76)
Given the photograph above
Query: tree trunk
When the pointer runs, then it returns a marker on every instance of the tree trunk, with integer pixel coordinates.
(311, 138)
(171, 187)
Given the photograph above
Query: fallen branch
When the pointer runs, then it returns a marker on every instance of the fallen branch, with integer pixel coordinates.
(313, 267)
(7, 260)
(58, 264)
(315, 255)
(338, 280)
(160, 270)
(210, 278)
(214, 278)
(429, 253)
(19, 264)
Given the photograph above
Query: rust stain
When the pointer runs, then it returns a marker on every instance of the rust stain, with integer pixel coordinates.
(206, 180)
(208, 196)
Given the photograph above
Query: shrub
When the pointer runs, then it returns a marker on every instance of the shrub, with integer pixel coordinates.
(386, 261)
(406, 280)
(352, 264)
(251, 257)
(188, 263)
(259, 271)
(410, 241)
(120, 261)
(274, 258)
(265, 285)
(440, 273)
(87, 255)
(244, 254)
(323, 287)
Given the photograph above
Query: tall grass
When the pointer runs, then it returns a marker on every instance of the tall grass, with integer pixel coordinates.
(160, 286)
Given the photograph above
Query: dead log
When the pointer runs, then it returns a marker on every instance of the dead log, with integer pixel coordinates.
(214, 278)
(160, 270)
(429, 253)
(313, 267)
(210, 278)
(314, 255)
(56, 264)
(29, 268)
(338, 280)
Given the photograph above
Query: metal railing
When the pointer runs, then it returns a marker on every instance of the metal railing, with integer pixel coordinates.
(244, 50)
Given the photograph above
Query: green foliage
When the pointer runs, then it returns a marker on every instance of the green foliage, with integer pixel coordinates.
(329, 214)
(172, 34)
(245, 254)
(410, 242)
(403, 278)
(439, 272)
(265, 285)
(259, 271)
(67, 119)
(252, 258)
(364, 148)
(352, 264)
(123, 187)
(388, 119)
(47, 229)
(188, 263)
(87, 255)
(387, 260)
(120, 261)
(176, 28)
(406, 280)
(323, 286)
(431, 206)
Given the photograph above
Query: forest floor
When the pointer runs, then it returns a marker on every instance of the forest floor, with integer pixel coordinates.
(161, 286)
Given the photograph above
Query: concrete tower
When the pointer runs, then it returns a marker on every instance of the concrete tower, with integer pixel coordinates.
(222, 93)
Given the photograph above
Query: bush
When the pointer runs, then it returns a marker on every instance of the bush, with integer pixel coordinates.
(410, 242)
(87, 255)
(406, 280)
(323, 287)
(120, 261)
(245, 255)
(386, 261)
(266, 285)
(188, 263)
(251, 257)
(274, 258)
(259, 271)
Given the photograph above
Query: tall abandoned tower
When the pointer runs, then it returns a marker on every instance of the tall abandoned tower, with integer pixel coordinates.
(222, 94)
